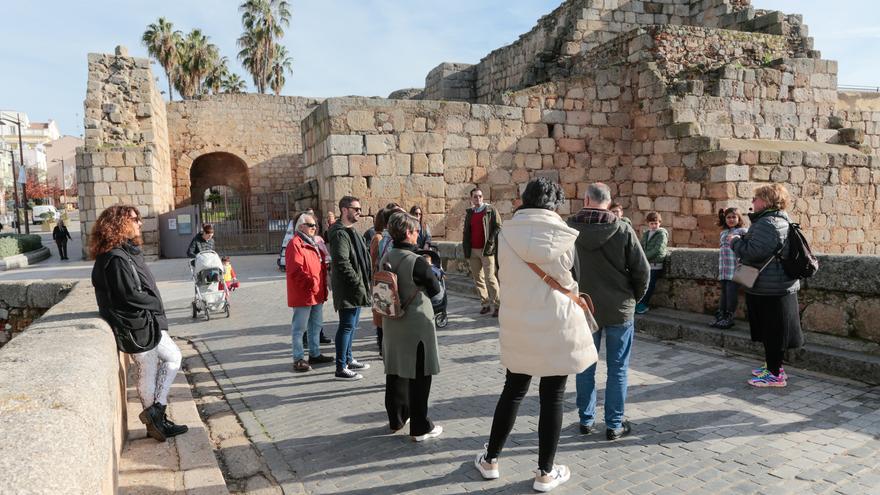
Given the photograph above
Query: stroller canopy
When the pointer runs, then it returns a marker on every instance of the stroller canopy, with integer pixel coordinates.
(208, 260)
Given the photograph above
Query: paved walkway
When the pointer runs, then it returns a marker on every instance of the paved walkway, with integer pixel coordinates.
(698, 427)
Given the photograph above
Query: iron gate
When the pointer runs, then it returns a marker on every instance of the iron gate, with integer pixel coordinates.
(254, 223)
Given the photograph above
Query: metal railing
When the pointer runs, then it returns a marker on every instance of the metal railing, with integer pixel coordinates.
(864, 89)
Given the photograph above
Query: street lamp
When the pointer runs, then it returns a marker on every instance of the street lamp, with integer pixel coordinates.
(27, 223)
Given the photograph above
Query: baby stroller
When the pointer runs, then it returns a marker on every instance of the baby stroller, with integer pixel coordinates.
(438, 302)
(211, 295)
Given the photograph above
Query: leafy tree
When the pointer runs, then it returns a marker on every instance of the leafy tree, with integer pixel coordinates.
(218, 73)
(281, 63)
(198, 57)
(264, 22)
(162, 42)
(233, 83)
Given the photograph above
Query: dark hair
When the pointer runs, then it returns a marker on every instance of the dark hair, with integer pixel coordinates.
(346, 201)
(380, 222)
(400, 223)
(208, 228)
(392, 206)
(543, 193)
(615, 205)
(722, 216)
(225, 259)
(475, 189)
(414, 209)
(653, 216)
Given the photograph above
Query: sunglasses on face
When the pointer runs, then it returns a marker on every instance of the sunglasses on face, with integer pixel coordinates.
(310, 225)
(355, 208)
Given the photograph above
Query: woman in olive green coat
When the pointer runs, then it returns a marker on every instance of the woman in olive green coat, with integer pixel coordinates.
(410, 343)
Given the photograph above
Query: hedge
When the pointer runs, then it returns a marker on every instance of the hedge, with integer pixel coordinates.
(12, 244)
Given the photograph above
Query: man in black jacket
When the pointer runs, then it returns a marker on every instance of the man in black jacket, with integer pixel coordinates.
(614, 272)
(203, 241)
(125, 290)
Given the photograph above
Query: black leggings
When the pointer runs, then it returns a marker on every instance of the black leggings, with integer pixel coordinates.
(729, 298)
(407, 398)
(551, 392)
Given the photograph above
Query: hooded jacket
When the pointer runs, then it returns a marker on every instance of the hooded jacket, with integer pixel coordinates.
(767, 235)
(543, 332)
(350, 272)
(614, 268)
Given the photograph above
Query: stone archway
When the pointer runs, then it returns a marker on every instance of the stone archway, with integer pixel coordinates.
(218, 169)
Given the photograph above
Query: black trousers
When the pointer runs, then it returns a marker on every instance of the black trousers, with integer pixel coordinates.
(775, 322)
(551, 392)
(729, 297)
(407, 398)
(62, 249)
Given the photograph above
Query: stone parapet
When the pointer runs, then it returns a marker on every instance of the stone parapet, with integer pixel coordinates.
(23, 302)
(62, 402)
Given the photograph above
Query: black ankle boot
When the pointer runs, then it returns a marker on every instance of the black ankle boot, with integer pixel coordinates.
(171, 429)
(152, 418)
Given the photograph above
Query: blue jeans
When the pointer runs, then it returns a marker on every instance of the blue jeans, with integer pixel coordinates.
(618, 345)
(313, 316)
(652, 284)
(348, 323)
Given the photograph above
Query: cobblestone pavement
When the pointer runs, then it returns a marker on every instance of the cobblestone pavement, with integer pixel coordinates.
(698, 428)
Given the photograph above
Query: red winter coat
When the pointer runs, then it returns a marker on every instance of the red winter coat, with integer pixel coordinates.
(306, 274)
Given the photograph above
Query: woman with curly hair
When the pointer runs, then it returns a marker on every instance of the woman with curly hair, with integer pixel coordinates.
(126, 292)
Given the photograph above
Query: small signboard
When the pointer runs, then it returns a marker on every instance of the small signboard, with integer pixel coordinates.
(184, 224)
(172, 224)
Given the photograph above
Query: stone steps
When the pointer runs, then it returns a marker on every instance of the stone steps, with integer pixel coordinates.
(823, 353)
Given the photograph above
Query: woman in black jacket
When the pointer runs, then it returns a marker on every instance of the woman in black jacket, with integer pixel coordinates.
(125, 290)
(61, 235)
(772, 302)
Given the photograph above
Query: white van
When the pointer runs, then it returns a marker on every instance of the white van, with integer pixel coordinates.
(41, 209)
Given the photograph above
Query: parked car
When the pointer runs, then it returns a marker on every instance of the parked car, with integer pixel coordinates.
(39, 210)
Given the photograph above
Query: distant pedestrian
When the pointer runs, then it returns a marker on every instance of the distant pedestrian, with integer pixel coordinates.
(655, 242)
(350, 278)
(731, 221)
(480, 243)
(201, 242)
(424, 241)
(129, 300)
(410, 344)
(543, 332)
(774, 317)
(615, 272)
(328, 221)
(61, 235)
(306, 292)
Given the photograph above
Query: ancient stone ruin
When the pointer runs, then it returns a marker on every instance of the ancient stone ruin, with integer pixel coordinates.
(681, 106)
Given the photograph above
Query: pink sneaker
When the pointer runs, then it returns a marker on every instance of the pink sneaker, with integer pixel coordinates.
(768, 380)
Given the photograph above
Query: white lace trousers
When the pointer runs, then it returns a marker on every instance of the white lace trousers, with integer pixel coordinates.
(156, 370)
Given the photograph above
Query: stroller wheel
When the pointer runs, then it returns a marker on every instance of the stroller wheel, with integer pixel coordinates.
(207, 313)
(441, 320)
(195, 310)
(227, 310)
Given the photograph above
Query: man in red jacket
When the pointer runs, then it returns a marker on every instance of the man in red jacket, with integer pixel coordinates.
(306, 292)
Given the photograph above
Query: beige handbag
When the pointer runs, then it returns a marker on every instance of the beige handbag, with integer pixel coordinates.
(746, 275)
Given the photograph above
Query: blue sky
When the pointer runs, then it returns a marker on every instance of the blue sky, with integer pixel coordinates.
(339, 47)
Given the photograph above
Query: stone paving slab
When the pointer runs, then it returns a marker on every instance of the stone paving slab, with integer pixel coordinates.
(698, 427)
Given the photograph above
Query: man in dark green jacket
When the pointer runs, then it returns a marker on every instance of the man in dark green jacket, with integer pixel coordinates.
(480, 243)
(350, 279)
(614, 272)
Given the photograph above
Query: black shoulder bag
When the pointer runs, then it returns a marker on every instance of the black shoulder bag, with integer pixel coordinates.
(136, 330)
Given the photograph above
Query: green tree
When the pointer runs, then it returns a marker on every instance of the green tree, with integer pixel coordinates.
(162, 42)
(217, 74)
(281, 63)
(233, 84)
(198, 57)
(264, 22)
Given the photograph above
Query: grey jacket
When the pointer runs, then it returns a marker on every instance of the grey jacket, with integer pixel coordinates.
(768, 233)
(613, 268)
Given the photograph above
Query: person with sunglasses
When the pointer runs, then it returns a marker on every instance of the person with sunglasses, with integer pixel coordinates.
(424, 240)
(350, 278)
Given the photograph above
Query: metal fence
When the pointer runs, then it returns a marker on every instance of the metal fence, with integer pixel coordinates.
(865, 89)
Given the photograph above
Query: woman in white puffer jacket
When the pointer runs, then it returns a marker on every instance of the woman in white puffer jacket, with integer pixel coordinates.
(544, 333)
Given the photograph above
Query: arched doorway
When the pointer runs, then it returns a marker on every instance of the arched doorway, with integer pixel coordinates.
(220, 187)
(218, 169)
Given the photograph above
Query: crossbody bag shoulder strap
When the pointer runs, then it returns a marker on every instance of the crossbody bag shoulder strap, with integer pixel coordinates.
(583, 300)
(385, 264)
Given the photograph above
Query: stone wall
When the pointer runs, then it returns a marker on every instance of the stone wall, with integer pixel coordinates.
(62, 386)
(833, 302)
(860, 113)
(261, 130)
(126, 156)
(23, 302)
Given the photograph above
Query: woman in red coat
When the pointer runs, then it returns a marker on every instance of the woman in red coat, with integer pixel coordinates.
(306, 292)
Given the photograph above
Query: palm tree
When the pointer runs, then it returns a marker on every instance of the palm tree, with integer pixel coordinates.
(162, 41)
(198, 58)
(219, 72)
(264, 22)
(233, 84)
(281, 63)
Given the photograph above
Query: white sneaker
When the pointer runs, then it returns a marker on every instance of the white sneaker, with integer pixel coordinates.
(431, 434)
(544, 482)
(487, 467)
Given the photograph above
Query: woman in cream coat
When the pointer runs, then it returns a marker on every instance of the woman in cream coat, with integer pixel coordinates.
(543, 332)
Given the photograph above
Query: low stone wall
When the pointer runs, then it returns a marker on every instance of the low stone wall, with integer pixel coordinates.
(23, 302)
(62, 400)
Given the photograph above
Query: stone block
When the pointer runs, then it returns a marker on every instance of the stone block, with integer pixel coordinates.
(361, 120)
(362, 165)
(667, 203)
(378, 144)
(338, 144)
(866, 319)
(460, 158)
(769, 157)
(114, 158)
(572, 145)
(527, 145)
(419, 163)
(456, 142)
(435, 164)
(825, 318)
(729, 173)
(421, 142)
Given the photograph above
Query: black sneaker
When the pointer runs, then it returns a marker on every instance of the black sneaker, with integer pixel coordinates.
(323, 358)
(586, 429)
(624, 430)
(354, 365)
(348, 375)
(325, 340)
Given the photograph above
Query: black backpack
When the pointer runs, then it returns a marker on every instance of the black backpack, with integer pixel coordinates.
(800, 262)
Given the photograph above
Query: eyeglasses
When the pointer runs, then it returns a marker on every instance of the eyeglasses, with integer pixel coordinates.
(418, 214)
(355, 208)
(310, 225)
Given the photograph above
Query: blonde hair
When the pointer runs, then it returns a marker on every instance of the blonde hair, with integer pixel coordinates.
(775, 195)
